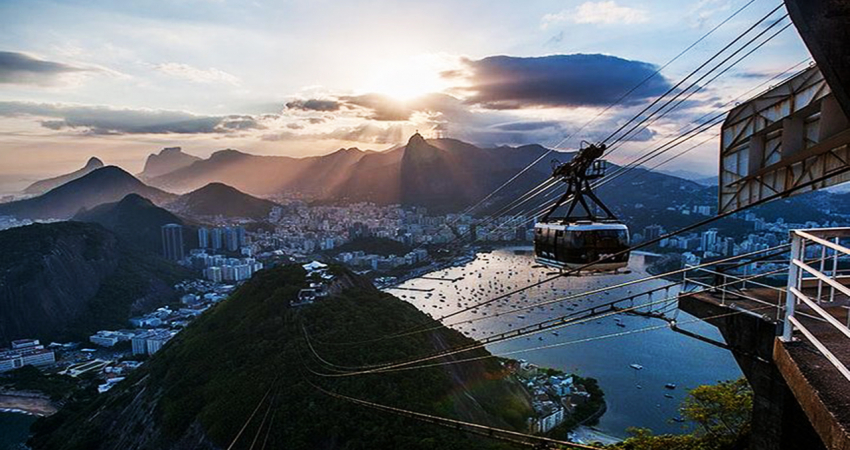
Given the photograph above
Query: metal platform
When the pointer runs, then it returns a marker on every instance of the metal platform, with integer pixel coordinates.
(797, 332)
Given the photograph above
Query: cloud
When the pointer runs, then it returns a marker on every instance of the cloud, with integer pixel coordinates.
(528, 126)
(605, 13)
(20, 68)
(103, 120)
(365, 132)
(368, 132)
(705, 10)
(506, 82)
(196, 75)
(381, 107)
(314, 105)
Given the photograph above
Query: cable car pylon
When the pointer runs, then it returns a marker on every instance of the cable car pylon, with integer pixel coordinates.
(574, 240)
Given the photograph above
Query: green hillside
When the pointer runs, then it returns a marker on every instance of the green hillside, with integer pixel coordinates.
(203, 385)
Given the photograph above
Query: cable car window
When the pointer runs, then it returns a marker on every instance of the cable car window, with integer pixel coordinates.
(578, 239)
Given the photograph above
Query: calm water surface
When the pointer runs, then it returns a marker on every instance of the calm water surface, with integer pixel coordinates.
(14, 430)
(600, 348)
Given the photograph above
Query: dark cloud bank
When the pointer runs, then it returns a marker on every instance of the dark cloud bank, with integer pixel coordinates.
(506, 82)
(19, 68)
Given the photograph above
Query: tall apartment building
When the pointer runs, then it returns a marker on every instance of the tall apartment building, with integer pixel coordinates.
(172, 241)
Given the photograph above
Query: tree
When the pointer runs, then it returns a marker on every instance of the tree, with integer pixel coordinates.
(721, 412)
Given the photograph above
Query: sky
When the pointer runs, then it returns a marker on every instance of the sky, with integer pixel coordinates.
(121, 80)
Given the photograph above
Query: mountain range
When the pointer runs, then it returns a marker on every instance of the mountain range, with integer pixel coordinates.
(40, 187)
(167, 160)
(138, 222)
(218, 199)
(444, 175)
(105, 185)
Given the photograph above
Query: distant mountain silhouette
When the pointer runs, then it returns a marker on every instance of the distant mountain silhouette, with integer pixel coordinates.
(218, 199)
(42, 186)
(168, 160)
(444, 175)
(138, 221)
(105, 185)
(263, 175)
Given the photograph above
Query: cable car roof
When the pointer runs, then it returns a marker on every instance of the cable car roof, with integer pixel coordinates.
(574, 226)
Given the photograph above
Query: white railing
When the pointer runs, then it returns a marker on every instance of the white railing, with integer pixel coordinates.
(732, 287)
(814, 280)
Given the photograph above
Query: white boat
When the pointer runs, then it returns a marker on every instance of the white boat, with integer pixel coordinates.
(636, 366)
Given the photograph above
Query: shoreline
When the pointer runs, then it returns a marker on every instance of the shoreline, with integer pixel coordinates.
(588, 435)
(27, 403)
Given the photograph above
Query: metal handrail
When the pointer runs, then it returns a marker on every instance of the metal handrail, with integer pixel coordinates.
(795, 295)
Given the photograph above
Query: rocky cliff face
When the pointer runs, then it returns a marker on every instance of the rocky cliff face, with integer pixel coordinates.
(66, 279)
(48, 275)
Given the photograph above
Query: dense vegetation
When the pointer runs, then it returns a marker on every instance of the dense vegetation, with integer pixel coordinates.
(28, 378)
(212, 375)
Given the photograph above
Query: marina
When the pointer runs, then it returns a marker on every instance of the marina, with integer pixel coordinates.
(598, 347)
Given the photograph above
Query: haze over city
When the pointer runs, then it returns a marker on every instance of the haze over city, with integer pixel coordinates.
(120, 80)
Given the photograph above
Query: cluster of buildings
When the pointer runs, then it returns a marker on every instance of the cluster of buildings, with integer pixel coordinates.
(712, 243)
(553, 397)
(151, 331)
(25, 352)
(321, 277)
(220, 268)
(149, 342)
(361, 260)
(7, 222)
(222, 238)
(304, 230)
(231, 239)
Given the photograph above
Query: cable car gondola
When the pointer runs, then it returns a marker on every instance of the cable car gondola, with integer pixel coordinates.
(576, 242)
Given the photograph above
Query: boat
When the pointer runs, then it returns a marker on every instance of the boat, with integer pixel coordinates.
(668, 395)
(678, 419)
(670, 386)
(636, 366)
(621, 325)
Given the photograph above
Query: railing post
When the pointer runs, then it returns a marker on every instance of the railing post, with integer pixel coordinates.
(834, 273)
(793, 280)
(820, 282)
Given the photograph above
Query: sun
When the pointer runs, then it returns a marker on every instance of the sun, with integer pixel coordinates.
(408, 78)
